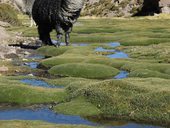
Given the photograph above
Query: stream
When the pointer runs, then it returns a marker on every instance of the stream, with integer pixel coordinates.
(46, 114)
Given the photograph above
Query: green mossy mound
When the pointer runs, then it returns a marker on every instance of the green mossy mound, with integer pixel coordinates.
(133, 99)
(63, 59)
(50, 51)
(8, 14)
(154, 67)
(13, 91)
(92, 71)
(78, 106)
(152, 52)
(145, 73)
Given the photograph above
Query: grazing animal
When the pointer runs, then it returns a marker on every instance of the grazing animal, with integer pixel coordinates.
(56, 14)
(26, 7)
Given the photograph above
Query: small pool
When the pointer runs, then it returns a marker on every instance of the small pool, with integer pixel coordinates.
(35, 56)
(114, 53)
(39, 83)
(32, 65)
(122, 75)
(47, 115)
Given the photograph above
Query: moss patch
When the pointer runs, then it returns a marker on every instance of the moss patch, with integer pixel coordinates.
(93, 71)
(12, 91)
(52, 51)
(78, 106)
(134, 99)
(62, 60)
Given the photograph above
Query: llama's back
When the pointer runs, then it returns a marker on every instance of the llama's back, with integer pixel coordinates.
(46, 11)
(71, 9)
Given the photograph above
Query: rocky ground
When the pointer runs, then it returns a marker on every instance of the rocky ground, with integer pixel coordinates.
(11, 38)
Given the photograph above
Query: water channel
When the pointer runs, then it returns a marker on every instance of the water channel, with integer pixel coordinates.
(46, 114)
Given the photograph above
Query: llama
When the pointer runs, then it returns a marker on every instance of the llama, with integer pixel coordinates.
(56, 14)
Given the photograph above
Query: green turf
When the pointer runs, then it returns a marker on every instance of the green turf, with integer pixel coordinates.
(144, 96)
(78, 106)
(13, 91)
(128, 31)
(133, 99)
(92, 71)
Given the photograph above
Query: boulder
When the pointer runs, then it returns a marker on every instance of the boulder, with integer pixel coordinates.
(4, 69)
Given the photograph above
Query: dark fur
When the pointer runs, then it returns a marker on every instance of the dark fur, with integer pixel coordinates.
(56, 14)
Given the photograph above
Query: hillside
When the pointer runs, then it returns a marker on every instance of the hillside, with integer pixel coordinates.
(110, 8)
(119, 8)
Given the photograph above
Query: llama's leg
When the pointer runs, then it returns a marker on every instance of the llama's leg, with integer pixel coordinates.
(44, 35)
(67, 38)
(59, 35)
(67, 35)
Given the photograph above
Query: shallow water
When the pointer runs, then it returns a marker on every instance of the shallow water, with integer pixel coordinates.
(35, 56)
(114, 44)
(47, 115)
(122, 75)
(116, 54)
(32, 65)
(101, 49)
(40, 83)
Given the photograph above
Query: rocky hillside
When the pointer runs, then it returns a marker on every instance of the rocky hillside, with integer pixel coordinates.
(110, 8)
(118, 8)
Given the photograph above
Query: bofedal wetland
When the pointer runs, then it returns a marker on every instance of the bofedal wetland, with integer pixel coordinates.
(115, 73)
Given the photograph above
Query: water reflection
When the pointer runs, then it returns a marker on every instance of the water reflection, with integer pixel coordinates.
(47, 115)
(40, 83)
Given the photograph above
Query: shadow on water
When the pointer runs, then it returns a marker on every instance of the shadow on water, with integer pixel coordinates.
(45, 114)
(40, 83)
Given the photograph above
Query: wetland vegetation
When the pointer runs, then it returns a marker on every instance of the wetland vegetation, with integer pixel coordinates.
(86, 75)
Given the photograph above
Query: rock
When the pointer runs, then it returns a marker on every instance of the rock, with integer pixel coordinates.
(4, 35)
(11, 55)
(24, 59)
(26, 53)
(4, 24)
(8, 59)
(30, 75)
(16, 71)
(165, 10)
(4, 69)
(7, 52)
